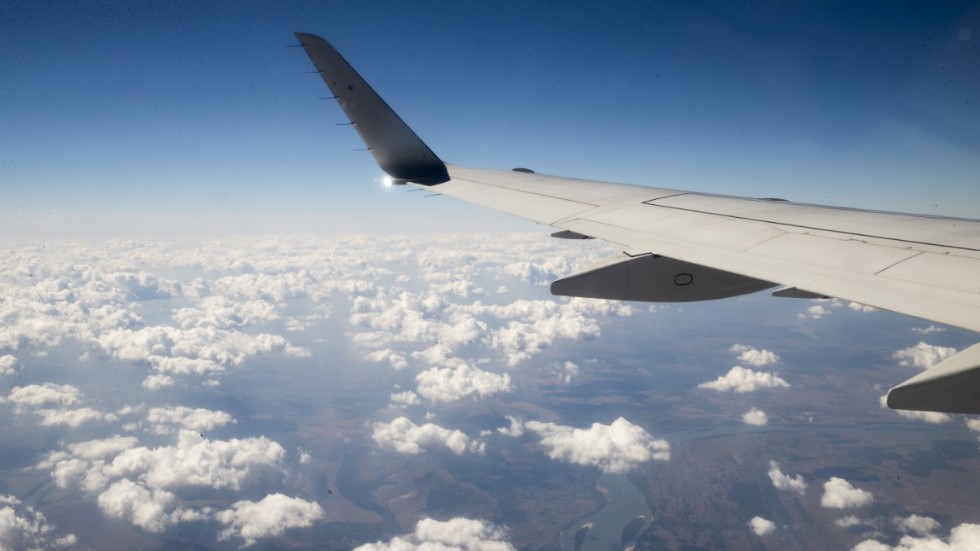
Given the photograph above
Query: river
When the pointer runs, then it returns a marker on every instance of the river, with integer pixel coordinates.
(605, 528)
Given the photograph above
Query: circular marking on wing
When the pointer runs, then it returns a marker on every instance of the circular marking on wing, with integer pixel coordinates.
(682, 280)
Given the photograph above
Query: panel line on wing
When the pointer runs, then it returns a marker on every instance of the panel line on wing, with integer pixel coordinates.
(815, 228)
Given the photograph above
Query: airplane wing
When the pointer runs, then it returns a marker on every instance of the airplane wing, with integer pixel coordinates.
(684, 246)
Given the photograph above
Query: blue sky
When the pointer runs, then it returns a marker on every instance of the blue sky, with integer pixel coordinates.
(146, 117)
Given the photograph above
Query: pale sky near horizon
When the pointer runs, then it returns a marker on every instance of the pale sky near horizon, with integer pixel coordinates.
(142, 118)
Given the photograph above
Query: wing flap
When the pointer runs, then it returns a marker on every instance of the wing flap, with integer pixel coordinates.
(653, 278)
(941, 304)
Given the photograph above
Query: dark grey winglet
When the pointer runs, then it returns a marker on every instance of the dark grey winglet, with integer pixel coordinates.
(393, 144)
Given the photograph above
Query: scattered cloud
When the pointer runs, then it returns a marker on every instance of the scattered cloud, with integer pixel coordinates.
(406, 398)
(456, 383)
(396, 360)
(198, 350)
(9, 364)
(43, 395)
(923, 355)
(458, 534)
(755, 416)
(783, 481)
(156, 381)
(166, 420)
(740, 379)
(615, 448)
(49, 394)
(271, 516)
(863, 308)
(23, 527)
(751, 356)
(393, 319)
(762, 526)
(566, 371)
(234, 307)
(515, 430)
(964, 537)
(136, 483)
(916, 524)
(144, 507)
(850, 521)
(403, 436)
(73, 418)
(814, 312)
(840, 494)
(928, 330)
(239, 313)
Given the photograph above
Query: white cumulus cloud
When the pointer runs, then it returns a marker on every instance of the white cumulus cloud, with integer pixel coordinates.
(840, 494)
(923, 355)
(965, 537)
(740, 379)
(754, 357)
(849, 521)
(406, 398)
(783, 481)
(755, 416)
(73, 418)
(165, 420)
(8, 364)
(515, 430)
(814, 312)
(455, 383)
(617, 447)
(403, 436)
(271, 516)
(142, 506)
(916, 524)
(156, 381)
(457, 534)
(136, 483)
(22, 527)
(762, 526)
(42, 395)
(566, 371)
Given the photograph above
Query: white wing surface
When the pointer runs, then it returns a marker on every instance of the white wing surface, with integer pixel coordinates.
(683, 246)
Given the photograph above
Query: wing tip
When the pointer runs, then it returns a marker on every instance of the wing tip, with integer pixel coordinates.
(952, 386)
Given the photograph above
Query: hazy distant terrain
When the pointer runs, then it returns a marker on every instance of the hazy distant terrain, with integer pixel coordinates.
(332, 393)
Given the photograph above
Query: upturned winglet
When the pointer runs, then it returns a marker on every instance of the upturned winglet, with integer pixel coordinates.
(952, 386)
(395, 147)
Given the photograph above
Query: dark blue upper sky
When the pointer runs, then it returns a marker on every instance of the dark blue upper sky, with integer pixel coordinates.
(143, 109)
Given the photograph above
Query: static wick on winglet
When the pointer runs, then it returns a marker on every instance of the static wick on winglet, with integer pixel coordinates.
(394, 146)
